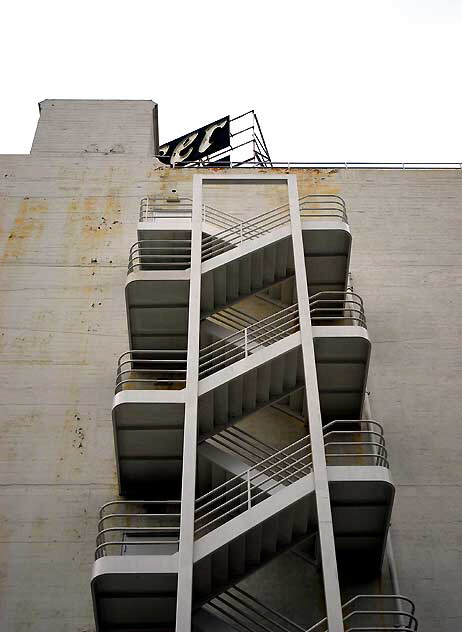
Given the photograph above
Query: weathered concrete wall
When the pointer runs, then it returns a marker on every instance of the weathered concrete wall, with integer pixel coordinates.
(95, 126)
(67, 223)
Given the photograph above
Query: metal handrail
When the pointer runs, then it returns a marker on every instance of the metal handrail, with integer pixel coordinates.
(340, 164)
(235, 231)
(167, 366)
(147, 524)
(347, 309)
(244, 607)
(395, 598)
(152, 208)
(243, 491)
(337, 306)
(242, 343)
(164, 367)
(247, 446)
(160, 254)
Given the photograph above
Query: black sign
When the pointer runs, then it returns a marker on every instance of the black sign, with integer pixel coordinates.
(198, 144)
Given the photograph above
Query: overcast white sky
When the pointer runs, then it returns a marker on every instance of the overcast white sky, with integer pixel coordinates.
(357, 80)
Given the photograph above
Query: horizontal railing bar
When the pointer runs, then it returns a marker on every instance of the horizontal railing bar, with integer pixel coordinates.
(133, 515)
(249, 480)
(253, 343)
(242, 504)
(244, 448)
(244, 472)
(139, 502)
(102, 546)
(292, 309)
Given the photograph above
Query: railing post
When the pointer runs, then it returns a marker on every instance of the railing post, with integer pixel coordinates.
(249, 496)
(245, 343)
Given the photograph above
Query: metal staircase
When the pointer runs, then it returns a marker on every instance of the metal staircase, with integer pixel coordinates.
(236, 609)
(253, 501)
(238, 375)
(245, 257)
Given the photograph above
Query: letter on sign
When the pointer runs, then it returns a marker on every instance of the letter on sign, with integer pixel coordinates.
(205, 144)
(185, 143)
(198, 144)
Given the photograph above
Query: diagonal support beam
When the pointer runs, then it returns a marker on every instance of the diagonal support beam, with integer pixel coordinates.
(186, 548)
(321, 482)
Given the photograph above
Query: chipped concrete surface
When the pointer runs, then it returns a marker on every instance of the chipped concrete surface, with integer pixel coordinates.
(67, 223)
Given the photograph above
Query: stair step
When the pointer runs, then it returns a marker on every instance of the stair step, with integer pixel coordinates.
(245, 275)
(205, 413)
(221, 405)
(236, 398)
(232, 281)
(204, 475)
(269, 264)
(250, 390)
(277, 376)
(220, 563)
(207, 292)
(286, 526)
(287, 292)
(219, 287)
(253, 542)
(237, 556)
(263, 383)
(290, 369)
(257, 270)
(203, 576)
(270, 536)
(282, 250)
(301, 517)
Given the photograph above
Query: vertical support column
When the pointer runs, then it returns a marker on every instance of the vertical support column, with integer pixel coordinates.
(188, 491)
(326, 531)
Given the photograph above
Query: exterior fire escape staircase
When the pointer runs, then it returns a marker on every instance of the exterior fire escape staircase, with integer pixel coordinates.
(253, 502)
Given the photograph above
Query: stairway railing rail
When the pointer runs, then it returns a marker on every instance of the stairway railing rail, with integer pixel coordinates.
(160, 254)
(341, 307)
(157, 368)
(152, 208)
(326, 308)
(403, 616)
(241, 344)
(241, 608)
(236, 231)
(151, 368)
(241, 492)
(144, 527)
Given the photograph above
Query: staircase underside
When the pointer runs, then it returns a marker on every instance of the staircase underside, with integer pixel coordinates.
(140, 417)
(362, 504)
(138, 592)
(134, 593)
(157, 301)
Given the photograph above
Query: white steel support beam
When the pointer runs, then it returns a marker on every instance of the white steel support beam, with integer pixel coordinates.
(186, 548)
(321, 483)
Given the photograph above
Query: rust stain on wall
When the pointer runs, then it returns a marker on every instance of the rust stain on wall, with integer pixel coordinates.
(27, 226)
(92, 223)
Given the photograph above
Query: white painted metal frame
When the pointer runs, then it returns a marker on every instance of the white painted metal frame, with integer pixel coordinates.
(186, 547)
(321, 483)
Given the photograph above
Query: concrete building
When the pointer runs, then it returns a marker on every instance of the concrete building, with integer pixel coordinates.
(288, 389)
